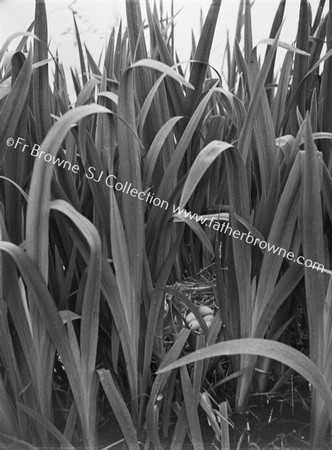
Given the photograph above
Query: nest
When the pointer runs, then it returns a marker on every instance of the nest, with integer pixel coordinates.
(200, 290)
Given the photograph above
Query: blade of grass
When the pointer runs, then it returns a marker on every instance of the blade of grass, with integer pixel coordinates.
(325, 91)
(39, 197)
(119, 407)
(256, 95)
(313, 243)
(159, 385)
(202, 54)
(14, 104)
(313, 248)
(204, 159)
(80, 52)
(41, 97)
(263, 347)
(48, 425)
(300, 62)
(191, 410)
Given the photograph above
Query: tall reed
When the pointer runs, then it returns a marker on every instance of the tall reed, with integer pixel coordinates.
(85, 267)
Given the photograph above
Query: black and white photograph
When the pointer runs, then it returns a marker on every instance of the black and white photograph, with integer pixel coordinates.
(165, 224)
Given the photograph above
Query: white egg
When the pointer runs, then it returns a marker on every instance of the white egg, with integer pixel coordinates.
(209, 318)
(194, 325)
(190, 317)
(205, 310)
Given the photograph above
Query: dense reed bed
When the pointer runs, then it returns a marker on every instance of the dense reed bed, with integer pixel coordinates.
(158, 170)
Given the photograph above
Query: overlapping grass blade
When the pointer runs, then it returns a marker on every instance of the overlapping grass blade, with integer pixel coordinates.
(90, 284)
(15, 164)
(90, 302)
(159, 384)
(120, 408)
(82, 369)
(39, 198)
(313, 243)
(202, 55)
(276, 25)
(255, 99)
(191, 409)
(47, 310)
(153, 153)
(7, 413)
(13, 36)
(286, 213)
(203, 160)
(47, 425)
(313, 249)
(167, 184)
(121, 259)
(325, 92)
(41, 99)
(80, 52)
(301, 62)
(270, 349)
(14, 104)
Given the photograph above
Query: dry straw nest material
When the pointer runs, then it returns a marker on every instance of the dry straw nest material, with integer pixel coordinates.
(200, 290)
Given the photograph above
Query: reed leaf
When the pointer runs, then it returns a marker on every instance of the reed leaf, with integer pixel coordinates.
(39, 198)
(313, 248)
(301, 63)
(191, 409)
(14, 104)
(41, 99)
(119, 407)
(270, 349)
(202, 54)
(204, 159)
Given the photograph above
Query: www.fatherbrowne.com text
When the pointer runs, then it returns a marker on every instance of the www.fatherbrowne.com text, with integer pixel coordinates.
(213, 221)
